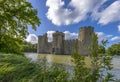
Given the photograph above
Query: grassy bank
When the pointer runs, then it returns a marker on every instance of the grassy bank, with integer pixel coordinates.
(17, 68)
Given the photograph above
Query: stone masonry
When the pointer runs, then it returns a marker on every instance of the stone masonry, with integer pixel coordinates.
(61, 46)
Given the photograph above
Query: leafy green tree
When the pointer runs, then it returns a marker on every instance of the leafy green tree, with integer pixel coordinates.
(99, 63)
(15, 17)
(101, 49)
(114, 49)
(104, 42)
(9, 44)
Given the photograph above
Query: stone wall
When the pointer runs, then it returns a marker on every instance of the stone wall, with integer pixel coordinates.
(70, 46)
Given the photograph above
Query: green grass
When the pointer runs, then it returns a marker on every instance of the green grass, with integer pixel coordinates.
(62, 59)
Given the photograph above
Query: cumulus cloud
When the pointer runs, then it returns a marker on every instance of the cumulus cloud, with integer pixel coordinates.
(68, 35)
(119, 28)
(76, 11)
(116, 38)
(79, 10)
(32, 38)
(110, 14)
(103, 36)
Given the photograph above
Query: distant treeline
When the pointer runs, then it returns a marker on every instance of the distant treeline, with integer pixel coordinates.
(28, 47)
(114, 49)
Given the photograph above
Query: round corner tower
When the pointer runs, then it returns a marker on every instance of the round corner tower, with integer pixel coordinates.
(58, 43)
(85, 40)
(85, 33)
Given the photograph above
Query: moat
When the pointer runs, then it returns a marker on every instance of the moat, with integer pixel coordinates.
(66, 60)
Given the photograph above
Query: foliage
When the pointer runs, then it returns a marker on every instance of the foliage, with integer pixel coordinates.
(100, 64)
(104, 42)
(114, 49)
(28, 47)
(80, 71)
(13, 45)
(15, 16)
(101, 49)
(17, 68)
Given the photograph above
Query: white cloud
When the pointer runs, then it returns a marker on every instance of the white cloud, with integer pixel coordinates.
(116, 38)
(68, 35)
(119, 28)
(79, 10)
(32, 38)
(103, 36)
(76, 11)
(110, 14)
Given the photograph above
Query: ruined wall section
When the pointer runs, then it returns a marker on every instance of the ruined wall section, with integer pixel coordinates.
(85, 40)
(43, 44)
(70, 46)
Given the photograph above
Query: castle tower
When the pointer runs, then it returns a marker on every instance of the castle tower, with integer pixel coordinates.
(85, 40)
(58, 43)
(42, 44)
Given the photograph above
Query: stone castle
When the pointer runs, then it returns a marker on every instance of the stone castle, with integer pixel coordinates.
(61, 46)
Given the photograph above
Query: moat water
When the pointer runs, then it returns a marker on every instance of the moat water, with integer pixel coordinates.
(66, 59)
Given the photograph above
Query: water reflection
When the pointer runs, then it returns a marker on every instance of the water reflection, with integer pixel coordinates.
(116, 62)
(32, 56)
(62, 59)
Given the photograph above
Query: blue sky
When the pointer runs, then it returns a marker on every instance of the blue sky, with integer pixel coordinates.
(69, 15)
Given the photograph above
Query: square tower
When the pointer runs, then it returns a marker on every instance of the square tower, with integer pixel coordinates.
(58, 43)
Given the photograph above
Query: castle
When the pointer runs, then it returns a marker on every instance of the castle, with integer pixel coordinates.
(61, 46)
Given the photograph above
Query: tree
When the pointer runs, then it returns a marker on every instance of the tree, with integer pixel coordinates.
(15, 16)
(99, 63)
(104, 42)
(114, 49)
(101, 49)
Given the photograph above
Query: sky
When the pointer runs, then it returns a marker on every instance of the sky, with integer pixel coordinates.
(69, 16)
